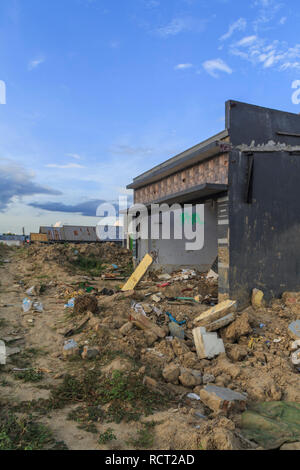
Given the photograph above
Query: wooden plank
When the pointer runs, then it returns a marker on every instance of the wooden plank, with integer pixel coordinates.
(138, 273)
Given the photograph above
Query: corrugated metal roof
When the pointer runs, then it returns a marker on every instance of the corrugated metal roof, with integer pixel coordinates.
(199, 152)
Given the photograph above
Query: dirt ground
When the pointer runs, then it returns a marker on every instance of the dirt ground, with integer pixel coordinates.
(108, 392)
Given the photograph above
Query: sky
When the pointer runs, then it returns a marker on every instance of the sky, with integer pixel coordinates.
(95, 92)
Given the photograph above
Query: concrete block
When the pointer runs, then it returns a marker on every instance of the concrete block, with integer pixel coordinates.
(216, 312)
(221, 399)
(208, 345)
(294, 329)
(224, 321)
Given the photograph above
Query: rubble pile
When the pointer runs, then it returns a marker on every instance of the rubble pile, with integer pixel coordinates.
(211, 359)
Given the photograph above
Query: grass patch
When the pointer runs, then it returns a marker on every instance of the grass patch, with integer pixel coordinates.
(25, 433)
(29, 375)
(87, 416)
(107, 436)
(145, 436)
(89, 264)
(125, 394)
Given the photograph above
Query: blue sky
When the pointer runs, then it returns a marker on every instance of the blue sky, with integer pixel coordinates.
(98, 91)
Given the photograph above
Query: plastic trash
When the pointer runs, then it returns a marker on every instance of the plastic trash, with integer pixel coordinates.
(138, 308)
(70, 304)
(115, 266)
(193, 396)
(70, 344)
(174, 319)
(38, 307)
(2, 353)
(27, 304)
(31, 291)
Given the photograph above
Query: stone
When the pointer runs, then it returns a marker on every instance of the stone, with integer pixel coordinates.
(294, 329)
(150, 337)
(89, 353)
(150, 382)
(124, 330)
(171, 373)
(208, 345)
(240, 327)
(220, 399)
(187, 379)
(257, 298)
(216, 312)
(208, 378)
(235, 352)
(176, 330)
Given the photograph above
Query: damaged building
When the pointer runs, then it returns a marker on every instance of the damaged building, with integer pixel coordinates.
(247, 178)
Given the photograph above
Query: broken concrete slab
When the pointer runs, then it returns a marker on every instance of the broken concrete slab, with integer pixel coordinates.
(220, 399)
(2, 353)
(221, 322)
(216, 312)
(208, 345)
(294, 329)
(144, 323)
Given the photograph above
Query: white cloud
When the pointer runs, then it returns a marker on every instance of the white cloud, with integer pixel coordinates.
(267, 10)
(239, 25)
(67, 166)
(183, 66)
(283, 20)
(180, 25)
(267, 54)
(246, 41)
(216, 65)
(34, 63)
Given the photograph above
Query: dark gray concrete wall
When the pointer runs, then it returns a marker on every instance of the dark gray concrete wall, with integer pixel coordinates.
(265, 233)
(247, 123)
